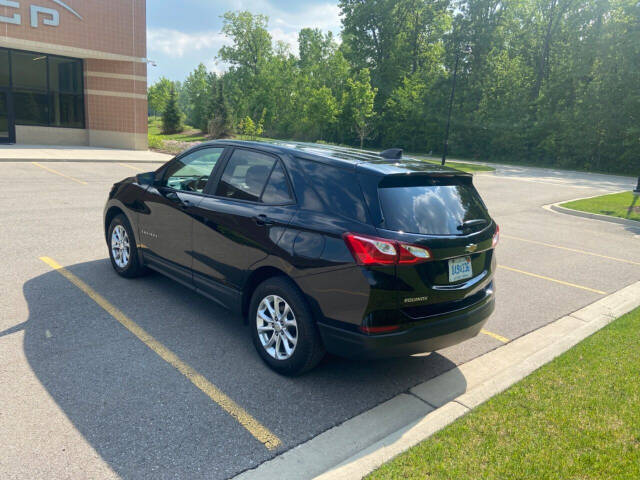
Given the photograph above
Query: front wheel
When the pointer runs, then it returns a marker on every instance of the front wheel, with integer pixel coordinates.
(283, 330)
(122, 249)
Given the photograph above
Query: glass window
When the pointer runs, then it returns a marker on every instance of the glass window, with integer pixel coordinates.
(29, 70)
(433, 209)
(65, 75)
(191, 172)
(335, 186)
(4, 115)
(277, 189)
(67, 110)
(245, 175)
(55, 99)
(4, 68)
(31, 108)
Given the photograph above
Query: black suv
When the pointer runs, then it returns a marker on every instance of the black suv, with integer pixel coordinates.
(318, 248)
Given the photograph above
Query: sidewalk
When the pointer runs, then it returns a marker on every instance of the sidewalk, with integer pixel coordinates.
(40, 153)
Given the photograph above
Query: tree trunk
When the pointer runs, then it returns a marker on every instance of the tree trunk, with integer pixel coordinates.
(544, 56)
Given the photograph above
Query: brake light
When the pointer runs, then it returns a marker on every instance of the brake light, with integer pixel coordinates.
(371, 250)
(368, 250)
(496, 237)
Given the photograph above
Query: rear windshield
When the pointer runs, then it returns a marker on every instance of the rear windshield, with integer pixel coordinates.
(433, 209)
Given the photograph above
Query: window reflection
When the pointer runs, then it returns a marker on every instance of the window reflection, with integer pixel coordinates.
(434, 210)
(47, 89)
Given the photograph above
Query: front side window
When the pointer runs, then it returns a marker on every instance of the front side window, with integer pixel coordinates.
(245, 175)
(191, 172)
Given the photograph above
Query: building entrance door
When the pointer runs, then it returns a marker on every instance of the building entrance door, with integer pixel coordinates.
(7, 118)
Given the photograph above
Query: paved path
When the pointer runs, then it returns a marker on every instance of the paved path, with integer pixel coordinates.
(37, 153)
(82, 397)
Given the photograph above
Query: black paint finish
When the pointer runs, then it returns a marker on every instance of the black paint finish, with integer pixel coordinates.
(224, 247)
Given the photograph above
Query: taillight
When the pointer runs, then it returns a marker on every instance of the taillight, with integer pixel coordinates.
(368, 250)
(371, 250)
(496, 237)
(412, 254)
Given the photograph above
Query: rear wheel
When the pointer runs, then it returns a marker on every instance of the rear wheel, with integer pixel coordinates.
(283, 330)
(123, 250)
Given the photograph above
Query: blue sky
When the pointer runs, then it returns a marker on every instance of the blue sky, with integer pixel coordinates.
(183, 33)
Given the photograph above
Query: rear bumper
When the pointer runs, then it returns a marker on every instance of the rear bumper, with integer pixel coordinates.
(421, 338)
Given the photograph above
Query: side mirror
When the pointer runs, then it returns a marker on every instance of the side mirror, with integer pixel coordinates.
(147, 178)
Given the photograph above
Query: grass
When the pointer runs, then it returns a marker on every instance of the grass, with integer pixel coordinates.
(623, 205)
(189, 134)
(577, 417)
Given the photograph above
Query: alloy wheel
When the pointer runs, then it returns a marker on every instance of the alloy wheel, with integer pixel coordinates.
(277, 327)
(120, 246)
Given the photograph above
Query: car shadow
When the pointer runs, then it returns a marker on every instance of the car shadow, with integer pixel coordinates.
(134, 408)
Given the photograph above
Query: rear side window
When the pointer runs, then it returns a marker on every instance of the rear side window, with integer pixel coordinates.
(432, 209)
(277, 189)
(338, 189)
(245, 175)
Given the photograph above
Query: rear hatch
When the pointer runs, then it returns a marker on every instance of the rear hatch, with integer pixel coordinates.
(443, 213)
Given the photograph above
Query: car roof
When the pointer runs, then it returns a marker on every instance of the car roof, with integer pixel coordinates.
(345, 157)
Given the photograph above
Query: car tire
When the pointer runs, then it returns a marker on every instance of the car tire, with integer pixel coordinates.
(123, 250)
(278, 293)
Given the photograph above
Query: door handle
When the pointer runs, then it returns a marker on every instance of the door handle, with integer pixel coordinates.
(262, 219)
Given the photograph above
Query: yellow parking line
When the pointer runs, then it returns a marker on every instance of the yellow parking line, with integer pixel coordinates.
(255, 428)
(130, 166)
(495, 335)
(58, 173)
(561, 282)
(570, 249)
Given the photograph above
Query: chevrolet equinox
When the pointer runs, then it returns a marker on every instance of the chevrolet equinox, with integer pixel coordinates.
(318, 248)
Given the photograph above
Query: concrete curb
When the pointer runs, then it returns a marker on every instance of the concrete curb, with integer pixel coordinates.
(363, 443)
(555, 207)
(78, 160)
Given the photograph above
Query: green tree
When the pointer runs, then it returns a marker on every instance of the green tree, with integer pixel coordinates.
(171, 116)
(551, 82)
(320, 113)
(392, 38)
(247, 127)
(251, 43)
(158, 95)
(219, 117)
(359, 103)
(198, 89)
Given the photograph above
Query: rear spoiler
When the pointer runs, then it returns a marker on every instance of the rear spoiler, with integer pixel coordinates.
(423, 179)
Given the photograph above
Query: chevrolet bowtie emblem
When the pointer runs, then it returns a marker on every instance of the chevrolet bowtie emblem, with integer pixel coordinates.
(471, 248)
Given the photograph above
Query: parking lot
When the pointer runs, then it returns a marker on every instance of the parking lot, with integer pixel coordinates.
(85, 394)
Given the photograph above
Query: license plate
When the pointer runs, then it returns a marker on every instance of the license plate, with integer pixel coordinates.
(460, 269)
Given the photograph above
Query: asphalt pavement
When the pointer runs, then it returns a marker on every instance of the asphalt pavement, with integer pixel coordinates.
(81, 396)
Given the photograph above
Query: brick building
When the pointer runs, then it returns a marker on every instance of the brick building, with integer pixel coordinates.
(73, 72)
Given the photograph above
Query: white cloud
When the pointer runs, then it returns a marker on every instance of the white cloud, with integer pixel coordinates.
(175, 44)
(325, 16)
(280, 35)
(177, 51)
